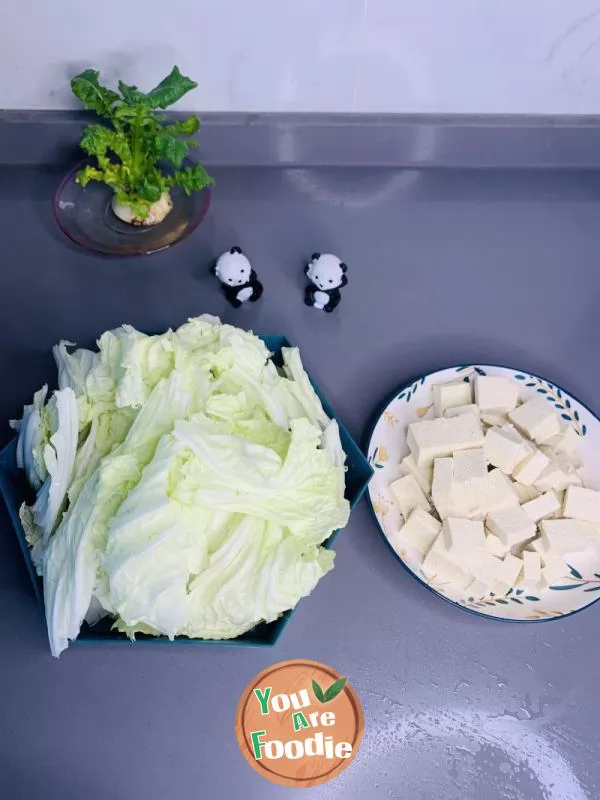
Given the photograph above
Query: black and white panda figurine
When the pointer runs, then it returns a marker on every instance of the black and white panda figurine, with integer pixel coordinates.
(237, 277)
(327, 275)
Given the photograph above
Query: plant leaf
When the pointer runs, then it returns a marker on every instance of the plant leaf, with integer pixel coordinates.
(318, 692)
(170, 89)
(87, 88)
(171, 148)
(592, 589)
(188, 127)
(88, 174)
(150, 187)
(565, 588)
(131, 94)
(192, 179)
(574, 572)
(97, 139)
(334, 689)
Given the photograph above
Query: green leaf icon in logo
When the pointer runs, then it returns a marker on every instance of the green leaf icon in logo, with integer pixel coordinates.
(331, 693)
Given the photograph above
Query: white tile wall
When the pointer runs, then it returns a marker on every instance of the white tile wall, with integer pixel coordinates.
(463, 56)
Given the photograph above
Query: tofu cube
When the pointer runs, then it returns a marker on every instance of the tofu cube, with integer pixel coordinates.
(554, 568)
(439, 568)
(450, 395)
(564, 536)
(530, 469)
(501, 574)
(558, 476)
(589, 478)
(567, 441)
(556, 564)
(582, 504)
(419, 532)
(504, 449)
(465, 542)
(477, 589)
(536, 419)
(408, 495)
(470, 466)
(512, 526)
(455, 411)
(408, 466)
(532, 569)
(439, 438)
(510, 570)
(494, 418)
(568, 462)
(495, 546)
(498, 494)
(542, 507)
(449, 498)
(495, 394)
(525, 493)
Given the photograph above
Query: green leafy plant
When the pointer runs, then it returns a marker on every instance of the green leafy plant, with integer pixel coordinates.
(132, 152)
(329, 694)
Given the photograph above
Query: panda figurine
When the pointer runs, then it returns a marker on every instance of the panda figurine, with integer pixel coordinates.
(327, 275)
(237, 277)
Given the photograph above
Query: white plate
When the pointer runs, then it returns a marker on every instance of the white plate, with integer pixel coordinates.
(387, 447)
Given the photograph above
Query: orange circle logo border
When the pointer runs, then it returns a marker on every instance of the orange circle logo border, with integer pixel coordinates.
(334, 723)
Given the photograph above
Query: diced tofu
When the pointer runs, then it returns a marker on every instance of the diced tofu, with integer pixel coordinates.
(495, 546)
(567, 441)
(419, 532)
(526, 493)
(501, 574)
(568, 462)
(495, 394)
(455, 411)
(469, 466)
(439, 438)
(494, 418)
(465, 542)
(554, 568)
(532, 569)
(542, 507)
(408, 466)
(450, 395)
(408, 495)
(557, 567)
(449, 498)
(512, 526)
(536, 419)
(477, 589)
(589, 477)
(530, 469)
(582, 504)
(557, 476)
(437, 566)
(511, 569)
(497, 495)
(564, 536)
(504, 449)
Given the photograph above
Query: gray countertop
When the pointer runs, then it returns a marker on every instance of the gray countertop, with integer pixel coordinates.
(444, 267)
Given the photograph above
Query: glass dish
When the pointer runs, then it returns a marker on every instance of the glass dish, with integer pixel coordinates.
(87, 218)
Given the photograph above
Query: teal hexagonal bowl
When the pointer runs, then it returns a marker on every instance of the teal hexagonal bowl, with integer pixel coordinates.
(15, 490)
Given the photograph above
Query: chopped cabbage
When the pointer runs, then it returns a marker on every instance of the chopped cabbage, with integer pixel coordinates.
(185, 484)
